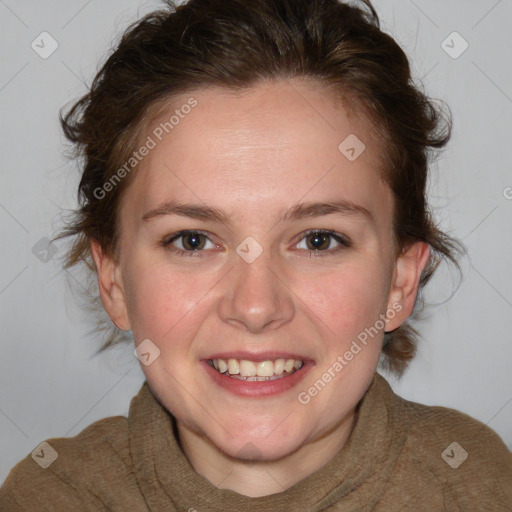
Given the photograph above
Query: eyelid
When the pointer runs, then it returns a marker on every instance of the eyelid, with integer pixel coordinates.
(175, 236)
(339, 237)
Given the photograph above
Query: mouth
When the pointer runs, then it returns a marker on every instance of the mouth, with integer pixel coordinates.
(263, 375)
(256, 371)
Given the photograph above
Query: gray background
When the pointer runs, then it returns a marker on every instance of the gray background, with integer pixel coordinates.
(52, 385)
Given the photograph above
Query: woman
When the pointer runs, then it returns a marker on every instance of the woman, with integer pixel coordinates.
(253, 203)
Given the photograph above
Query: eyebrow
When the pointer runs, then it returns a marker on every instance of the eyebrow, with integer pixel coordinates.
(296, 212)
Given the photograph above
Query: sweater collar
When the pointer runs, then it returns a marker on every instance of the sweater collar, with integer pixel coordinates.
(357, 474)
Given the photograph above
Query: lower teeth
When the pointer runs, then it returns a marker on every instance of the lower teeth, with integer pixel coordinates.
(256, 378)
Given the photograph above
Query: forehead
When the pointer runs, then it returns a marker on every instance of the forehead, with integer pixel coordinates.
(260, 148)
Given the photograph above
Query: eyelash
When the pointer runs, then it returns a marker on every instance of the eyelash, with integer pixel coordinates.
(343, 241)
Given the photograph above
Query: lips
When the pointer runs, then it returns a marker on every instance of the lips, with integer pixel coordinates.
(257, 375)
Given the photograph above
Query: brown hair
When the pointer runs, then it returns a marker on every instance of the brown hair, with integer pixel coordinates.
(237, 44)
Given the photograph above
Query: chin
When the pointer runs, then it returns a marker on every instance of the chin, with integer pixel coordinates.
(250, 448)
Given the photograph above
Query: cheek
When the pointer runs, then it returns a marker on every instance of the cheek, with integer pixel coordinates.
(157, 299)
(347, 299)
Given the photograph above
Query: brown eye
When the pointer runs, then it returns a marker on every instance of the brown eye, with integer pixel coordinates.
(320, 241)
(192, 242)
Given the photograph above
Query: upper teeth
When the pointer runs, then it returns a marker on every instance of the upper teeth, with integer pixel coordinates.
(246, 368)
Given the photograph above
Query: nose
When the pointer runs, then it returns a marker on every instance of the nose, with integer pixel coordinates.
(257, 296)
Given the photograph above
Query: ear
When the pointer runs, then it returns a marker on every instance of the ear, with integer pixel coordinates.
(406, 278)
(111, 286)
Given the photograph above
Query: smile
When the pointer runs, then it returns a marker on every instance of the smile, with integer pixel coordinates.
(256, 371)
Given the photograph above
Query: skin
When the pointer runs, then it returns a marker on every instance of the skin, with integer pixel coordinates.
(255, 155)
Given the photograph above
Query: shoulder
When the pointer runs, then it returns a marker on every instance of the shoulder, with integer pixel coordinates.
(458, 454)
(436, 424)
(63, 473)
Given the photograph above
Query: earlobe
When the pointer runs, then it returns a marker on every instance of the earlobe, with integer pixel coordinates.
(110, 285)
(406, 277)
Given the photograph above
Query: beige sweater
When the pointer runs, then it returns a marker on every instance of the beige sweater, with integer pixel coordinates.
(399, 457)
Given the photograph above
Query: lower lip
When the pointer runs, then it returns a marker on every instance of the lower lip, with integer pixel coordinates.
(257, 388)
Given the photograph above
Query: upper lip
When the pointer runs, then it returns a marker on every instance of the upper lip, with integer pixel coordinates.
(257, 356)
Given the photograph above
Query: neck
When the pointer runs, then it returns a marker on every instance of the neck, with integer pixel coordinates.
(262, 477)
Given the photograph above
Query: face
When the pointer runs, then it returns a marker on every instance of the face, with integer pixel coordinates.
(248, 238)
